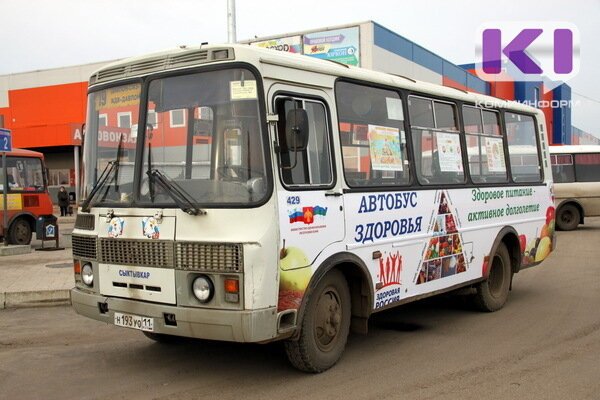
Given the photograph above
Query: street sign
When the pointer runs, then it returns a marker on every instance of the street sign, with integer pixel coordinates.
(5, 146)
(5, 140)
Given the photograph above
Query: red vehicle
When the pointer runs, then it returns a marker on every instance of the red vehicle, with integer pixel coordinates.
(28, 199)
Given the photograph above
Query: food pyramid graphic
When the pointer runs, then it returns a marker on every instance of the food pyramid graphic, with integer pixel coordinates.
(444, 254)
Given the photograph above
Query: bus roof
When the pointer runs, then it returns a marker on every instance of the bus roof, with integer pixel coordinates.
(185, 57)
(584, 148)
(24, 153)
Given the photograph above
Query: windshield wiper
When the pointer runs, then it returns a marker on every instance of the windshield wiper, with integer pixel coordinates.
(119, 153)
(149, 173)
(176, 192)
(85, 206)
(106, 172)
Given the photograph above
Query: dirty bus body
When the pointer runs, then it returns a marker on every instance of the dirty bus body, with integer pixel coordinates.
(576, 172)
(235, 193)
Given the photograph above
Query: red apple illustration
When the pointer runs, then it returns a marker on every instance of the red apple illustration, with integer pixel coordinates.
(549, 214)
(523, 243)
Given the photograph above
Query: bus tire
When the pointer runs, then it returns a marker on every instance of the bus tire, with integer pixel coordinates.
(492, 293)
(19, 232)
(325, 326)
(568, 217)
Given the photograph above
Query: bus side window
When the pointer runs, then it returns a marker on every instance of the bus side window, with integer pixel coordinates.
(522, 148)
(371, 126)
(563, 170)
(312, 165)
(587, 167)
(436, 141)
(485, 145)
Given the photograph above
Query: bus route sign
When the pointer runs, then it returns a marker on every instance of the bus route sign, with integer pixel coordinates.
(5, 140)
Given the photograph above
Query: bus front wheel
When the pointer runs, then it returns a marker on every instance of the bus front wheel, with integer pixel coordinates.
(325, 326)
(567, 217)
(19, 232)
(492, 293)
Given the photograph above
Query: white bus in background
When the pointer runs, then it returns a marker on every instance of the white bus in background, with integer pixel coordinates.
(576, 171)
(273, 196)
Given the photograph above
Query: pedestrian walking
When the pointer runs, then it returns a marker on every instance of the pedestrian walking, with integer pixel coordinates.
(63, 201)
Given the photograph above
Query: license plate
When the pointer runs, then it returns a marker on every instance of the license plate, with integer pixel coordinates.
(134, 322)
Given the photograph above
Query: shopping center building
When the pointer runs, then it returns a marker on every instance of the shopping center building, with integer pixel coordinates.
(45, 110)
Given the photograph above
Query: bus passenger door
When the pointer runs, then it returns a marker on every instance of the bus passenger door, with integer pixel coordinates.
(310, 200)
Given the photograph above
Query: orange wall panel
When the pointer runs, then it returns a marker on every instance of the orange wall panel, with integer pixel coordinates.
(48, 105)
(503, 90)
(451, 83)
(44, 116)
(43, 136)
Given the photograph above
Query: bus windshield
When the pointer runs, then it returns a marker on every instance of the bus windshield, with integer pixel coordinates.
(201, 135)
(111, 133)
(24, 174)
(203, 132)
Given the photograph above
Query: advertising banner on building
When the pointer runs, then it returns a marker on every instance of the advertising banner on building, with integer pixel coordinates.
(341, 45)
(291, 44)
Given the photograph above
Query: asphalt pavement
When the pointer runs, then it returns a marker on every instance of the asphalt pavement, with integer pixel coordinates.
(39, 278)
(543, 344)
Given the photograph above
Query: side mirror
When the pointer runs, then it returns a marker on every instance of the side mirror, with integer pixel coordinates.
(296, 129)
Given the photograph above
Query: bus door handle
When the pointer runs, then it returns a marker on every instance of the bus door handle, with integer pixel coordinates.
(333, 193)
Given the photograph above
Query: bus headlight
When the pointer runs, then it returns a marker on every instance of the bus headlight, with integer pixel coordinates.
(87, 274)
(203, 288)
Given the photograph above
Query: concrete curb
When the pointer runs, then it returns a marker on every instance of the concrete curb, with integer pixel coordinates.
(15, 250)
(38, 298)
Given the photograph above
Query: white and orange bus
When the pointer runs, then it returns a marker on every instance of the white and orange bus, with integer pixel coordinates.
(236, 193)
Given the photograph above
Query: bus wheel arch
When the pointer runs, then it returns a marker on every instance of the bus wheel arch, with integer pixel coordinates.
(504, 261)
(511, 241)
(510, 238)
(574, 209)
(359, 283)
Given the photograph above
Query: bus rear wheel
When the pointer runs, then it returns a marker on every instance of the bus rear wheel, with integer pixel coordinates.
(492, 293)
(19, 232)
(567, 217)
(325, 326)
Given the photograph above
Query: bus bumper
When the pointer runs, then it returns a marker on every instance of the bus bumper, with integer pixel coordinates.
(229, 325)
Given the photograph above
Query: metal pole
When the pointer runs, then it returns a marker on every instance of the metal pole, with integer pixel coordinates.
(76, 159)
(5, 198)
(231, 21)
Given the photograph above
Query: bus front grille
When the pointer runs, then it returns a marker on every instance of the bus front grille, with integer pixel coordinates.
(84, 246)
(85, 222)
(151, 253)
(220, 257)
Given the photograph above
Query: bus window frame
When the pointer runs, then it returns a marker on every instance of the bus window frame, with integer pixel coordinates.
(502, 135)
(573, 158)
(572, 155)
(141, 132)
(538, 147)
(469, 184)
(412, 180)
(460, 132)
(298, 95)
